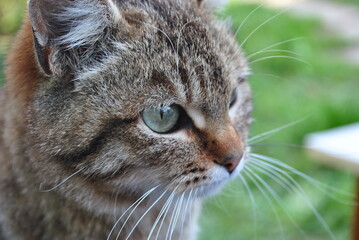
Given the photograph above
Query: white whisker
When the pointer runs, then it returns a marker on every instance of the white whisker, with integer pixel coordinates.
(169, 229)
(185, 212)
(190, 207)
(274, 50)
(265, 134)
(253, 200)
(159, 216)
(298, 173)
(63, 181)
(249, 173)
(326, 191)
(261, 25)
(274, 45)
(143, 215)
(166, 212)
(138, 202)
(279, 56)
(275, 195)
(177, 215)
(279, 144)
(303, 195)
(246, 18)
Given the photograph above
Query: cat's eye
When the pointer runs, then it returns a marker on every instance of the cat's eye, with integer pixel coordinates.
(233, 98)
(162, 119)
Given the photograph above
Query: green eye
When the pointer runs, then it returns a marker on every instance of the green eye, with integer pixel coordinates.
(233, 98)
(161, 120)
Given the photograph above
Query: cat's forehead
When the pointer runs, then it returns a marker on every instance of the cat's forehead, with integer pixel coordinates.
(182, 56)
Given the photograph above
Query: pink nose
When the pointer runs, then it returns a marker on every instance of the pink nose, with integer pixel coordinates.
(230, 162)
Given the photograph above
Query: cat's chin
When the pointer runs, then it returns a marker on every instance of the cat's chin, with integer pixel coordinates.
(209, 190)
(219, 177)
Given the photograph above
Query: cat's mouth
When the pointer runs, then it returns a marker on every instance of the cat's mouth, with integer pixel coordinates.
(210, 182)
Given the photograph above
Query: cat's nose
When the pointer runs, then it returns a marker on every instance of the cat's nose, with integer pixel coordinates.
(230, 162)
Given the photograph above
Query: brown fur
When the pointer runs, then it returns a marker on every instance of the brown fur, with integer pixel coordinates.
(22, 71)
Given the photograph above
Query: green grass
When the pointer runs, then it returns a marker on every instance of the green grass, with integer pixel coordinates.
(11, 14)
(285, 90)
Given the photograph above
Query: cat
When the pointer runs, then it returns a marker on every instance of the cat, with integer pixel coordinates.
(117, 118)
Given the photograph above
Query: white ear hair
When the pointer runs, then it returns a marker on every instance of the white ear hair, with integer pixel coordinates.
(88, 19)
(114, 10)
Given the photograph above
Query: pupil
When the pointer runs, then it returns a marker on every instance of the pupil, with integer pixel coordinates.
(161, 114)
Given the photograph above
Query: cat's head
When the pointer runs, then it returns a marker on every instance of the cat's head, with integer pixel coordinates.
(135, 94)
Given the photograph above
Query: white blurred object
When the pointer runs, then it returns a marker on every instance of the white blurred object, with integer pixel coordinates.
(338, 147)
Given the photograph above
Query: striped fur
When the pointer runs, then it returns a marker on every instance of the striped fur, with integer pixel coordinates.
(78, 78)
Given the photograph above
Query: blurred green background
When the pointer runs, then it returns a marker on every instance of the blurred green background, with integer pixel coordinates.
(285, 90)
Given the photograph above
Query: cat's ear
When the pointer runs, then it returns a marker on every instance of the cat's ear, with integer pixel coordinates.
(68, 23)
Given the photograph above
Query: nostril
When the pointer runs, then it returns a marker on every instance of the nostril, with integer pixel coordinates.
(230, 162)
(230, 167)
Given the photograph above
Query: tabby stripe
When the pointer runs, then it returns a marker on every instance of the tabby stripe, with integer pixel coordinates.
(95, 144)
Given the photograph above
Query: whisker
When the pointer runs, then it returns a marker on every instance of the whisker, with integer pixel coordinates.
(303, 195)
(279, 144)
(159, 216)
(286, 174)
(261, 25)
(185, 212)
(262, 136)
(298, 173)
(138, 202)
(279, 56)
(259, 164)
(274, 45)
(191, 205)
(274, 50)
(177, 215)
(143, 215)
(246, 18)
(62, 182)
(275, 195)
(253, 201)
(274, 210)
(165, 213)
(172, 219)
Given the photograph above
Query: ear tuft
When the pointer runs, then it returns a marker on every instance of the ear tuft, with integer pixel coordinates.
(115, 12)
(68, 24)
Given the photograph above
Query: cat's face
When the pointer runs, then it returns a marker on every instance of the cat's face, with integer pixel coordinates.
(137, 94)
